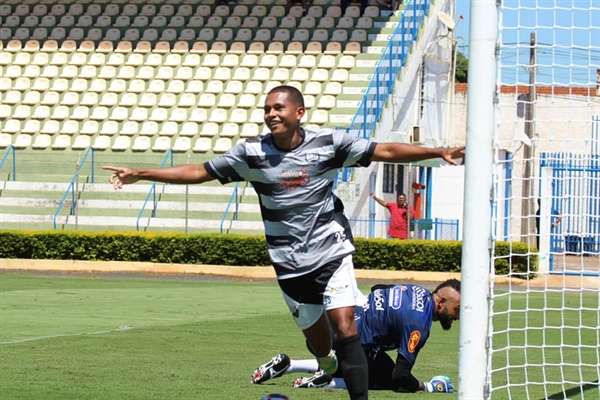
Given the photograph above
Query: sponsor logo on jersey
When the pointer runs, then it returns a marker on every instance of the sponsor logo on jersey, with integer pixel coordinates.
(413, 341)
(312, 158)
(293, 180)
(378, 299)
(418, 298)
(396, 298)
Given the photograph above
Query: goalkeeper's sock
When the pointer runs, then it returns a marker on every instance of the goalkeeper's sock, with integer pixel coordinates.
(353, 363)
(311, 366)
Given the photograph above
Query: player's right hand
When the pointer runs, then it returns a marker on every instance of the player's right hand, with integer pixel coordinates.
(122, 176)
(439, 384)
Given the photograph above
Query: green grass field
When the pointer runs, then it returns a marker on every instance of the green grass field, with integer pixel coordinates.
(124, 338)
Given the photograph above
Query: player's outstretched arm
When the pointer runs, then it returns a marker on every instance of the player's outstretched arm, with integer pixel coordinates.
(439, 384)
(401, 152)
(182, 174)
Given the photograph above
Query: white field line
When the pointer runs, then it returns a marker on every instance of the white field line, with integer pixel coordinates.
(119, 329)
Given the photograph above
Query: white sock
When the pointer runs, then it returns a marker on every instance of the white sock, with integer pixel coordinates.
(311, 366)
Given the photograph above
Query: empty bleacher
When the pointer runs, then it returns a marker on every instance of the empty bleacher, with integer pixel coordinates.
(136, 79)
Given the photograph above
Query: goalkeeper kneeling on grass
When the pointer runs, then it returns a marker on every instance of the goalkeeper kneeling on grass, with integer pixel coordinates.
(393, 317)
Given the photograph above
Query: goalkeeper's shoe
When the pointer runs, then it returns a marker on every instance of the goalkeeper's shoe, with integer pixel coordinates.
(320, 379)
(329, 363)
(273, 369)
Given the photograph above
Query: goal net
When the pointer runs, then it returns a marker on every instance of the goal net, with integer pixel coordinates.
(543, 334)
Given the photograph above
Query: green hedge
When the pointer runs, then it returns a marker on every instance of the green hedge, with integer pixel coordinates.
(244, 250)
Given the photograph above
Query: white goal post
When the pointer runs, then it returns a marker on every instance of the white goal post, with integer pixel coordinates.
(532, 180)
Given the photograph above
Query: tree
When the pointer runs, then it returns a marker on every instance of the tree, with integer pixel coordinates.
(462, 66)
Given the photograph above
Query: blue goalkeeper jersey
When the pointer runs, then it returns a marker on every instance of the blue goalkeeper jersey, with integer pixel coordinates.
(398, 317)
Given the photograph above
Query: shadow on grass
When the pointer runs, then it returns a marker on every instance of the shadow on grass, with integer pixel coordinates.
(573, 391)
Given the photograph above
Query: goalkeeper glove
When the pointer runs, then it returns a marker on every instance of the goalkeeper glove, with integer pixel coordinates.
(439, 384)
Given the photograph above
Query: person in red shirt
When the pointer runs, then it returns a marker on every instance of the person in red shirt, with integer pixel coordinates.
(398, 228)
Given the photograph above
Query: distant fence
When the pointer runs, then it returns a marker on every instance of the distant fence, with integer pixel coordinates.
(434, 229)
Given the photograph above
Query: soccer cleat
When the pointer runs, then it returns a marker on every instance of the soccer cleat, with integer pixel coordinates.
(329, 363)
(320, 379)
(273, 369)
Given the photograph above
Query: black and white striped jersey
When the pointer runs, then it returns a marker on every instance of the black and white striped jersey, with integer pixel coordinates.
(304, 222)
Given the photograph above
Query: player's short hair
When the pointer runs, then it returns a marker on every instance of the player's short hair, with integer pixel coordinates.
(293, 93)
(453, 283)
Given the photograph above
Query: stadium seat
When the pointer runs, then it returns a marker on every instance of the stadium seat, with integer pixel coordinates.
(257, 116)
(101, 143)
(352, 48)
(209, 129)
(339, 75)
(294, 47)
(12, 126)
(249, 130)
(22, 141)
(161, 143)
(202, 145)
(234, 86)
(199, 115)
(149, 128)
(182, 144)
(218, 115)
(121, 143)
(195, 22)
(277, 11)
(281, 74)
(229, 129)
(81, 142)
(69, 127)
(5, 140)
(41, 141)
(129, 128)
(141, 143)
(109, 128)
(238, 116)
(143, 46)
(189, 129)
(218, 47)
(41, 112)
(184, 10)
(254, 87)
(178, 114)
(169, 128)
(148, 10)
(61, 142)
(313, 88)
(159, 114)
(222, 145)
(119, 114)
(364, 23)
(80, 113)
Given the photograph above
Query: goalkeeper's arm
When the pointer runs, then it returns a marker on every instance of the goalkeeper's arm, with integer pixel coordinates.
(402, 377)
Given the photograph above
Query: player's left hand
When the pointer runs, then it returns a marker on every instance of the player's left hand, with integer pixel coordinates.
(439, 384)
(450, 155)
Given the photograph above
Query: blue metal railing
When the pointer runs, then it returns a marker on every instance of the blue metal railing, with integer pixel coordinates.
(152, 192)
(71, 187)
(233, 199)
(10, 149)
(443, 229)
(386, 73)
(575, 185)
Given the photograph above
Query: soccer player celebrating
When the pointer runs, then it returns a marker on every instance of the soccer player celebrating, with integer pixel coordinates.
(308, 236)
(392, 318)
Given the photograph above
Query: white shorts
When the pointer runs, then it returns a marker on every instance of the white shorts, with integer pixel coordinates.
(341, 291)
